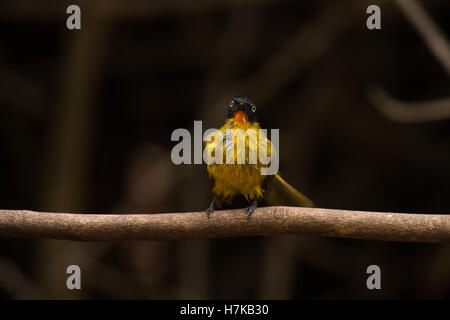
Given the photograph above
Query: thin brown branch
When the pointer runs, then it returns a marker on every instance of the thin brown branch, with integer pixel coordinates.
(228, 223)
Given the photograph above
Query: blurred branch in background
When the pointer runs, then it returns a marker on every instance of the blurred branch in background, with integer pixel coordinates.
(437, 43)
(69, 152)
(409, 111)
(15, 282)
(21, 92)
(307, 45)
(131, 9)
(278, 266)
(383, 226)
(304, 47)
(430, 32)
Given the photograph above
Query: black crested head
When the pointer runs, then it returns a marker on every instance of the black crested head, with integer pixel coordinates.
(242, 104)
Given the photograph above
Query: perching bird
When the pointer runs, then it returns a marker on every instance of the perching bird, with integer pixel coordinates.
(243, 184)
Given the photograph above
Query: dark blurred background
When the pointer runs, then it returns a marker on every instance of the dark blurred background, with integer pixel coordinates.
(86, 118)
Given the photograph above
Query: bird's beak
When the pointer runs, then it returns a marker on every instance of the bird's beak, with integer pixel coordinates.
(240, 115)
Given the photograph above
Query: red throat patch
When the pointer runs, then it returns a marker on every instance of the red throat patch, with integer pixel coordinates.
(240, 115)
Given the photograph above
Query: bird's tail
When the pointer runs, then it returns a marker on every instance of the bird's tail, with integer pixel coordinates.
(281, 193)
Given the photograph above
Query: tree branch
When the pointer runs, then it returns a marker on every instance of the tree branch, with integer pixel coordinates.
(428, 29)
(400, 111)
(228, 223)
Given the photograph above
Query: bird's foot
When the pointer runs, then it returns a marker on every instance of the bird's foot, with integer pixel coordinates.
(209, 210)
(249, 210)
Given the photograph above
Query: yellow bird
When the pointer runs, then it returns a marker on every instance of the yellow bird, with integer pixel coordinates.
(241, 181)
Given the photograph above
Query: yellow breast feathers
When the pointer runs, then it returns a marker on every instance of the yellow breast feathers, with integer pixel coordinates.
(237, 169)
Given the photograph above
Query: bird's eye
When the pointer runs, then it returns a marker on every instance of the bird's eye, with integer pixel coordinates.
(231, 103)
(253, 108)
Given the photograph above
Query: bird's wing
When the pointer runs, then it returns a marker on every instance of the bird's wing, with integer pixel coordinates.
(280, 193)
